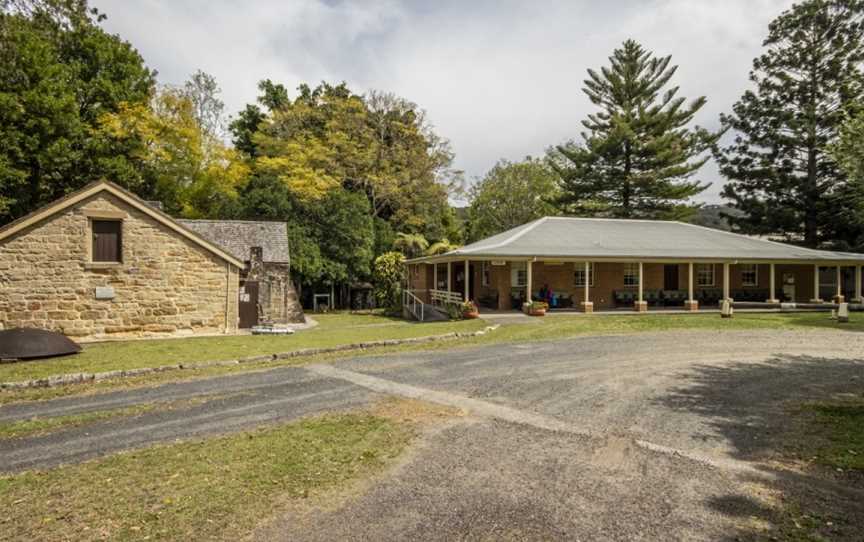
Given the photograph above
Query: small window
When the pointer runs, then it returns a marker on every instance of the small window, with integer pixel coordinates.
(107, 240)
(631, 274)
(579, 275)
(749, 274)
(705, 274)
(519, 275)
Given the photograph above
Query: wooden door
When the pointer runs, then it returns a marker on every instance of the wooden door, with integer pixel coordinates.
(670, 277)
(248, 306)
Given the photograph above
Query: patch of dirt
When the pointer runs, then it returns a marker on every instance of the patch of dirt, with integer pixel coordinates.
(414, 411)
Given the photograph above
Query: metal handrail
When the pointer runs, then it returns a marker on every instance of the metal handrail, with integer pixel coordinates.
(410, 301)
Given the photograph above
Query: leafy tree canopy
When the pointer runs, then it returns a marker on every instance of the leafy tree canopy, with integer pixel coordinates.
(638, 155)
(511, 194)
(809, 76)
(59, 73)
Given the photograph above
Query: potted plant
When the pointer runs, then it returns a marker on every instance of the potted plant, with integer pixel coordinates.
(470, 310)
(535, 308)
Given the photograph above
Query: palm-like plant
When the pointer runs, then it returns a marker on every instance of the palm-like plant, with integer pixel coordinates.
(441, 247)
(410, 244)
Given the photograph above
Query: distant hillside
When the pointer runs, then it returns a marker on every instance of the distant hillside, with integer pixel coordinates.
(709, 216)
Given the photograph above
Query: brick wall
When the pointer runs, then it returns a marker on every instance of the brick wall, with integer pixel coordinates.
(165, 284)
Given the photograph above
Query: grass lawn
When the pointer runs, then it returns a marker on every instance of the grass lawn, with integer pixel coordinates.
(561, 326)
(333, 330)
(840, 429)
(214, 489)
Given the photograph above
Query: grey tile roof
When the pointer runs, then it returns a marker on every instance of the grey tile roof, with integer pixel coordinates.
(565, 237)
(238, 236)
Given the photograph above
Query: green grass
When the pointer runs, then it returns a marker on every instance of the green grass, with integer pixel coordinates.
(215, 489)
(560, 326)
(333, 330)
(840, 426)
(41, 426)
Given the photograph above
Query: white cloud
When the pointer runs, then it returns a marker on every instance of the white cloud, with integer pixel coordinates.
(500, 79)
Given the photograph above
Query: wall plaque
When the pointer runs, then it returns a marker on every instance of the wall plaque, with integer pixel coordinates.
(104, 292)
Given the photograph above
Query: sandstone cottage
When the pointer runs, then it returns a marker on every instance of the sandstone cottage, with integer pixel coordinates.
(103, 263)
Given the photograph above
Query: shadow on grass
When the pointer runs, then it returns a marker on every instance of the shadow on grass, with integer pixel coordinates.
(758, 409)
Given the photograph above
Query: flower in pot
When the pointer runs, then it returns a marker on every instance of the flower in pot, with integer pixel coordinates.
(536, 308)
(470, 309)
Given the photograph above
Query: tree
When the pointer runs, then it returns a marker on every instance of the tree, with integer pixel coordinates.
(638, 155)
(170, 157)
(203, 90)
(389, 272)
(511, 194)
(59, 73)
(411, 245)
(441, 247)
(848, 152)
(779, 174)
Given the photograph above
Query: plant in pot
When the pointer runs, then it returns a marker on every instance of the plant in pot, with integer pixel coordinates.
(535, 308)
(470, 310)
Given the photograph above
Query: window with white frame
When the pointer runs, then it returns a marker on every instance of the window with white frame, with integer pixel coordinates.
(749, 274)
(518, 274)
(705, 274)
(631, 274)
(579, 274)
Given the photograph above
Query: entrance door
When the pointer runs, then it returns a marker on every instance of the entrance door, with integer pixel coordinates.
(670, 277)
(248, 306)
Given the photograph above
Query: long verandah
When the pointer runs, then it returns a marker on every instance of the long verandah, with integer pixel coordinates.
(504, 285)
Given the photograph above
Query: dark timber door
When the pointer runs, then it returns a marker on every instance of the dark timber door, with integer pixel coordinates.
(670, 277)
(249, 305)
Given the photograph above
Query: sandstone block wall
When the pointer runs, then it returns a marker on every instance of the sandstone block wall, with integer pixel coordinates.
(166, 284)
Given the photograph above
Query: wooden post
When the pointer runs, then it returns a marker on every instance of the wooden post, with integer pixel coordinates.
(641, 306)
(587, 305)
(858, 284)
(449, 276)
(838, 297)
(691, 304)
(773, 290)
(816, 298)
(467, 280)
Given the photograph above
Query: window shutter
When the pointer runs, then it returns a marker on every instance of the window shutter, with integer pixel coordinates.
(106, 240)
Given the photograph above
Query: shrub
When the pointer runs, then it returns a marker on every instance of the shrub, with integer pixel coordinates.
(388, 273)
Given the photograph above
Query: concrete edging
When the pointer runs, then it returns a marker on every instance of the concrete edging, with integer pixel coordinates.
(77, 378)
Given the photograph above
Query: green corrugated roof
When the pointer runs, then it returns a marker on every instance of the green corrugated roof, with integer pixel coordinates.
(564, 237)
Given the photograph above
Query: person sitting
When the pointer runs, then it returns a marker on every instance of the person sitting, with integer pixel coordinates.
(543, 293)
(550, 295)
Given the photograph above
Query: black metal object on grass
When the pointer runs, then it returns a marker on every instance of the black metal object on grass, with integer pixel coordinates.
(28, 343)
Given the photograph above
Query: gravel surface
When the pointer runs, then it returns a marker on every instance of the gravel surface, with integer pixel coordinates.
(640, 437)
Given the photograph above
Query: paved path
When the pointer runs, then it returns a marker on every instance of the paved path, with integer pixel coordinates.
(654, 436)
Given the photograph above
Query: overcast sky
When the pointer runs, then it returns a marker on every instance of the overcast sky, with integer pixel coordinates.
(498, 78)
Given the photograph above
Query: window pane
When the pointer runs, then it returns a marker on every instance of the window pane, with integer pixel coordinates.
(107, 240)
(631, 274)
(705, 274)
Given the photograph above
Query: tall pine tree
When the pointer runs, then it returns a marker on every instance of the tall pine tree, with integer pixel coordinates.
(779, 171)
(638, 156)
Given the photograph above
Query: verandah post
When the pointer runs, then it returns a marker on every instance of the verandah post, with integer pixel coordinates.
(858, 284)
(691, 304)
(467, 279)
(641, 305)
(449, 276)
(816, 298)
(773, 291)
(587, 305)
(528, 279)
(838, 297)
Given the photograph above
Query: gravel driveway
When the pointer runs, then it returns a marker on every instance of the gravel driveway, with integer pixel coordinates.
(666, 436)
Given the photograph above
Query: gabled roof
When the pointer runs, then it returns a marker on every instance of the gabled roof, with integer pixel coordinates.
(239, 236)
(127, 197)
(599, 238)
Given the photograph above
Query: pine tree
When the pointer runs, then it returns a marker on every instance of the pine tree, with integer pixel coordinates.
(780, 174)
(638, 156)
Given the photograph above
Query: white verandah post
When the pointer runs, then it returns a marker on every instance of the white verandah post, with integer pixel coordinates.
(528, 279)
(838, 297)
(435, 276)
(726, 267)
(449, 276)
(641, 305)
(467, 279)
(691, 304)
(587, 305)
(773, 291)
